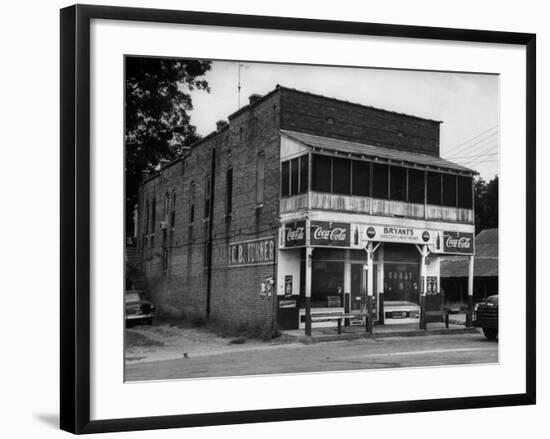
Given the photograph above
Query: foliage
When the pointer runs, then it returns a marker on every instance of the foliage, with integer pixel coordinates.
(157, 119)
(486, 204)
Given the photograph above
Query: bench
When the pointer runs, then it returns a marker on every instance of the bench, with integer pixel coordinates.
(323, 317)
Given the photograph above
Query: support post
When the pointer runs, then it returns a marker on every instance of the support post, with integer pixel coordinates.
(381, 285)
(470, 292)
(309, 252)
(423, 284)
(369, 284)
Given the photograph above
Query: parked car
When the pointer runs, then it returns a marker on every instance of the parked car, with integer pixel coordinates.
(138, 308)
(486, 316)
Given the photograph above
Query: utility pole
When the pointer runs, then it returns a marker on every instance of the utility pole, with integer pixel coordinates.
(239, 85)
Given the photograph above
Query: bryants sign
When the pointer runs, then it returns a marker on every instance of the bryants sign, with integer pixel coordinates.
(295, 234)
(330, 234)
(458, 242)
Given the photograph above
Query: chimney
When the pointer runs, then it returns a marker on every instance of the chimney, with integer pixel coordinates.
(252, 99)
(220, 124)
(144, 174)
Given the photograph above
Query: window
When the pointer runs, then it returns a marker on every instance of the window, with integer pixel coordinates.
(379, 181)
(341, 176)
(294, 176)
(320, 180)
(147, 212)
(416, 186)
(449, 190)
(207, 195)
(192, 204)
(229, 191)
(153, 214)
(304, 170)
(164, 259)
(434, 188)
(166, 206)
(285, 179)
(465, 192)
(260, 171)
(173, 214)
(398, 183)
(360, 178)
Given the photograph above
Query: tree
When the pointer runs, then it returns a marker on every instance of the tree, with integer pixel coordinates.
(157, 121)
(486, 204)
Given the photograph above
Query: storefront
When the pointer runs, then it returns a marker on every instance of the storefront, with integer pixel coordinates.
(332, 268)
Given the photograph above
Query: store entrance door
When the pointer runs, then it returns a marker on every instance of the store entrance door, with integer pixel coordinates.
(357, 302)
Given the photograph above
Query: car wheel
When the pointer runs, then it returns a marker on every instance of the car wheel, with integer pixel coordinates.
(490, 333)
(149, 321)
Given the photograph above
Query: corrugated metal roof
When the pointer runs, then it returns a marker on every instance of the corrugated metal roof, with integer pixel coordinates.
(371, 151)
(485, 258)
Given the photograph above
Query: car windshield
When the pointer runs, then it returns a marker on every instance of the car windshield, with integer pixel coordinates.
(134, 296)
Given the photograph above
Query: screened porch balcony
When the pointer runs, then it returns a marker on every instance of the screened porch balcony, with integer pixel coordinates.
(375, 207)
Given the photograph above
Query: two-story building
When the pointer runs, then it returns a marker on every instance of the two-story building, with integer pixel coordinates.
(301, 204)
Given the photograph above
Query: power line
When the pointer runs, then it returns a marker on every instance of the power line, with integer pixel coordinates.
(466, 148)
(472, 138)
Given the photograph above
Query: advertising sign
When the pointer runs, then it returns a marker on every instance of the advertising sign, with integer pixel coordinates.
(458, 243)
(295, 234)
(288, 285)
(405, 235)
(329, 234)
(256, 252)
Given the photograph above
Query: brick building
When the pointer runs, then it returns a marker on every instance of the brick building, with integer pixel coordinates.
(301, 203)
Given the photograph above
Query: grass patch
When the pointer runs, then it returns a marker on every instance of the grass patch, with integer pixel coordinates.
(244, 331)
(239, 340)
(135, 339)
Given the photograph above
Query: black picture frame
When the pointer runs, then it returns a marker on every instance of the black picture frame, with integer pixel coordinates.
(75, 217)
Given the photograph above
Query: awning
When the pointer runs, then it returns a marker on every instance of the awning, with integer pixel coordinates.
(363, 150)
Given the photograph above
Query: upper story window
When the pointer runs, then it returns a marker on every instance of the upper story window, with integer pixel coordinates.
(416, 187)
(434, 188)
(398, 183)
(192, 203)
(294, 176)
(260, 176)
(153, 214)
(321, 178)
(147, 213)
(229, 191)
(166, 207)
(380, 181)
(465, 192)
(344, 176)
(207, 195)
(449, 190)
(341, 176)
(360, 178)
(173, 213)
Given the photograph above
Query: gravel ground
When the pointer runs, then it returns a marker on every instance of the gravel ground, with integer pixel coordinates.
(164, 341)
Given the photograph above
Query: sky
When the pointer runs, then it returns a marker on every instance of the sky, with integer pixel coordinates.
(466, 103)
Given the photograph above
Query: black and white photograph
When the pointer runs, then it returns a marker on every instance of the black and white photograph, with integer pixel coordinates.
(294, 218)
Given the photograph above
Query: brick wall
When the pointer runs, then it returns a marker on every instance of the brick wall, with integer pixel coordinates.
(181, 290)
(329, 117)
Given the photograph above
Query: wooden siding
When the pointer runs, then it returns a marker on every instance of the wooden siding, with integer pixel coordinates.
(378, 207)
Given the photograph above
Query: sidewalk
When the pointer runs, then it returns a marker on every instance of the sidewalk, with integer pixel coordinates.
(456, 326)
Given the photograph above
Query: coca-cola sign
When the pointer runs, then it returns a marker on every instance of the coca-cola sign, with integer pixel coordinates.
(295, 234)
(330, 234)
(458, 242)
